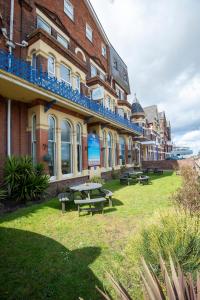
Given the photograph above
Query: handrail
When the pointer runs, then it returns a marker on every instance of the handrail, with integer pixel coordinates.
(24, 70)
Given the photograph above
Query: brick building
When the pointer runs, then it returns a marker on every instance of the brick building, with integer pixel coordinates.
(63, 90)
(155, 143)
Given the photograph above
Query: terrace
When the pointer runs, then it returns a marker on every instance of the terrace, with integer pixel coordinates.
(21, 69)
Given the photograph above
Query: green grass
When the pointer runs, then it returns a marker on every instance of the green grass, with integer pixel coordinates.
(47, 255)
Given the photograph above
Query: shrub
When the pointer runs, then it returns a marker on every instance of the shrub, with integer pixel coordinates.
(97, 179)
(24, 181)
(178, 234)
(114, 174)
(173, 286)
(2, 194)
(188, 195)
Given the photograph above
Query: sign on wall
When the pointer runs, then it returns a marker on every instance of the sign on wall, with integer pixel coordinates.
(93, 150)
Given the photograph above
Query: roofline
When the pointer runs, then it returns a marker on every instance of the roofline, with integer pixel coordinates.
(96, 19)
(99, 25)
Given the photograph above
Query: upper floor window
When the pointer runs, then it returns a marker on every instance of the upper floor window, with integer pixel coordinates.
(89, 32)
(102, 76)
(69, 9)
(77, 83)
(44, 25)
(93, 71)
(62, 41)
(65, 74)
(115, 64)
(51, 66)
(121, 112)
(103, 50)
(34, 61)
(120, 93)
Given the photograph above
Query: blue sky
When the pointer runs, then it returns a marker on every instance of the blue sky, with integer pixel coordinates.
(159, 41)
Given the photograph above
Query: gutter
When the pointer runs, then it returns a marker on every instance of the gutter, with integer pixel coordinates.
(9, 100)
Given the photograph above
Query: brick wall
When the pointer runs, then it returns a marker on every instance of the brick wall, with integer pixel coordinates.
(3, 142)
(25, 24)
(168, 164)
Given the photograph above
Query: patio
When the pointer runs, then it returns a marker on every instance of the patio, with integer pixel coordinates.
(47, 254)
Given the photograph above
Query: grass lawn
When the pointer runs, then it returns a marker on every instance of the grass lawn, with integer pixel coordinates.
(47, 255)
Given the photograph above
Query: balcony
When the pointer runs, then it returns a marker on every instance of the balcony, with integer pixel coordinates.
(23, 70)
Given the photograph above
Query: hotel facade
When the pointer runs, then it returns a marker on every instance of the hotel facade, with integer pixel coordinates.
(63, 91)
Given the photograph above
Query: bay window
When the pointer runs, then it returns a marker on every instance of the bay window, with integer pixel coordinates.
(65, 74)
(51, 66)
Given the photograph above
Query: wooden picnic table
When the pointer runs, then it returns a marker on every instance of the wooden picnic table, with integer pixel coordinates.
(86, 188)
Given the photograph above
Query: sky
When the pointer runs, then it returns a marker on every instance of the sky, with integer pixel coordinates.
(159, 40)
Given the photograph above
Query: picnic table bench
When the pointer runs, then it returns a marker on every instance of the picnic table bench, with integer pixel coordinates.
(90, 202)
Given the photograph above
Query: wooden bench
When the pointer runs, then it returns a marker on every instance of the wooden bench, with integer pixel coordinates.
(63, 198)
(108, 195)
(125, 179)
(90, 202)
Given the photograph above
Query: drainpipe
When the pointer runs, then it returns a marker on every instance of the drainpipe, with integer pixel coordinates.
(9, 100)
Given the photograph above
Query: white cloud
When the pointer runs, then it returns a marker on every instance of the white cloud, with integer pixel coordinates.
(159, 41)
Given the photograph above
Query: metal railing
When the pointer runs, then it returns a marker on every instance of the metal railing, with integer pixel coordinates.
(24, 70)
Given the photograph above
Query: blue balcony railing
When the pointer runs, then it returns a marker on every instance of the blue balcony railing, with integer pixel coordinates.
(24, 70)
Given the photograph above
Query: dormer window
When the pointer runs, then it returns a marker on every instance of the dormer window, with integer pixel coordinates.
(43, 25)
(89, 32)
(69, 9)
(115, 64)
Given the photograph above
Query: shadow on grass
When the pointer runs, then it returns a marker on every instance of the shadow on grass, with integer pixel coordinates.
(33, 266)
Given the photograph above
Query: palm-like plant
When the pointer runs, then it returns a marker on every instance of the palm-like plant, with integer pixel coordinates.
(175, 286)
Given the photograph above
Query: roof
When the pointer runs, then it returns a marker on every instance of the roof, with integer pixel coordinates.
(137, 107)
(119, 70)
(151, 113)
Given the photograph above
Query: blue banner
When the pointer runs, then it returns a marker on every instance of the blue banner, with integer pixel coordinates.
(93, 150)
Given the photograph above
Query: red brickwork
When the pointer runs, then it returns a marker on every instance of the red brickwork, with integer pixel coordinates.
(3, 142)
(168, 164)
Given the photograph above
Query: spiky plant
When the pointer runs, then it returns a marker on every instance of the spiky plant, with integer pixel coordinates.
(173, 286)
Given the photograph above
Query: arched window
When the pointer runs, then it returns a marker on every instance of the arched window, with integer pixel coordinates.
(52, 146)
(122, 151)
(66, 147)
(104, 149)
(130, 154)
(33, 139)
(109, 143)
(79, 147)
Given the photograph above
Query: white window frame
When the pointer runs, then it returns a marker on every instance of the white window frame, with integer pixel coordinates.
(69, 9)
(88, 32)
(62, 41)
(46, 27)
(71, 151)
(78, 83)
(103, 50)
(63, 79)
(92, 67)
(53, 74)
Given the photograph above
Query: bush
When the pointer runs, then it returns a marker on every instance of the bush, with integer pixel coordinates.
(97, 179)
(2, 194)
(174, 284)
(178, 234)
(188, 195)
(24, 181)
